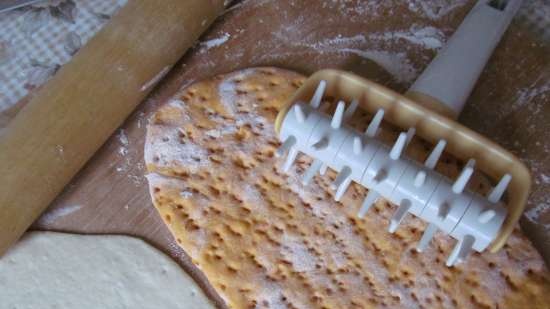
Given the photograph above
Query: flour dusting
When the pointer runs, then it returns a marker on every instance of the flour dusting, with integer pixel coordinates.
(206, 45)
(186, 194)
(50, 217)
(435, 9)
(123, 140)
(397, 64)
(297, 253)
(427, 37)
(536, 212)
(527, 94)
(389, 49)
(169, 151)
(176, 147)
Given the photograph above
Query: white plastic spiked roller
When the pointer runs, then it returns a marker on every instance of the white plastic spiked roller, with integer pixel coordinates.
(475, 221)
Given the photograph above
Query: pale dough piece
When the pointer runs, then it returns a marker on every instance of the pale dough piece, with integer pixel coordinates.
(57, 270)
(264, 240)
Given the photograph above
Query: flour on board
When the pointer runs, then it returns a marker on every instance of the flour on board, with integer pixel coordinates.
(388, 49)
(435, 9)
(206, 45)
(51, 216)
(534, 213)
(397, 64)
(427, 37)
(123, 140)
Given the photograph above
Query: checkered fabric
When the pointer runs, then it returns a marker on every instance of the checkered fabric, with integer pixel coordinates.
(536, 15)
(36, 40)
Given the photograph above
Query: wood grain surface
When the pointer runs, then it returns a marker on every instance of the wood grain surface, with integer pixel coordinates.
(509, 104)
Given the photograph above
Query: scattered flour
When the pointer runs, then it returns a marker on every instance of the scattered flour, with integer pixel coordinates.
(123, 140)
(123, 151)
(297, 253)
(206, 45)
(397, 64)
(527, 94)
(228, 90)
(219, 132)
(177, 103)
(51, 216)
(536, 212)
(186, 194)
(387, 49)
(435, 9)
(270, 295)
(122, 137)
(169, 150)
(427, 37)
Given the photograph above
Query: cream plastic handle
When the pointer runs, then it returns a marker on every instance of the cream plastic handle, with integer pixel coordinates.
(452, 74)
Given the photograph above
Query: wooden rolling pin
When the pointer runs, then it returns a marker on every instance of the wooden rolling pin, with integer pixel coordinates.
(54, 135)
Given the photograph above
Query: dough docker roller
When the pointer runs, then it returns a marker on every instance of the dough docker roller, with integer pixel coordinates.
(428, 110)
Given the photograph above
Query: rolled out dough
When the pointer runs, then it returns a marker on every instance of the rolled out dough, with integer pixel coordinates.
(264, 240)
(57, 270)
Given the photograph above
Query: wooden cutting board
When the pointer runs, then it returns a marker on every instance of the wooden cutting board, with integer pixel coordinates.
(110, 195)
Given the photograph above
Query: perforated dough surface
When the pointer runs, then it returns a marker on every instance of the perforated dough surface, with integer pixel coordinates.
(266, 241)
(57, 270)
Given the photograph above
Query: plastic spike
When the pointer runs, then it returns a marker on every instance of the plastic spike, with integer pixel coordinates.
(357, 145)
(399, 215)
(375, 123)
(399, 146)
(369, 200)
(462, 180)
(499, 189)
(434, 156)
(486, 215)
(323, 169)
(287, 144)
(292, 154)
(318, 96)
(320, 144)
(380, 175)
(311, 171)
(342, 189)
(336, 122)
(342, 176)
(410, 134)
(460, 251)
(351, 109)
(299, 112)
(443, 211)
(420, 179)
(426, 237)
